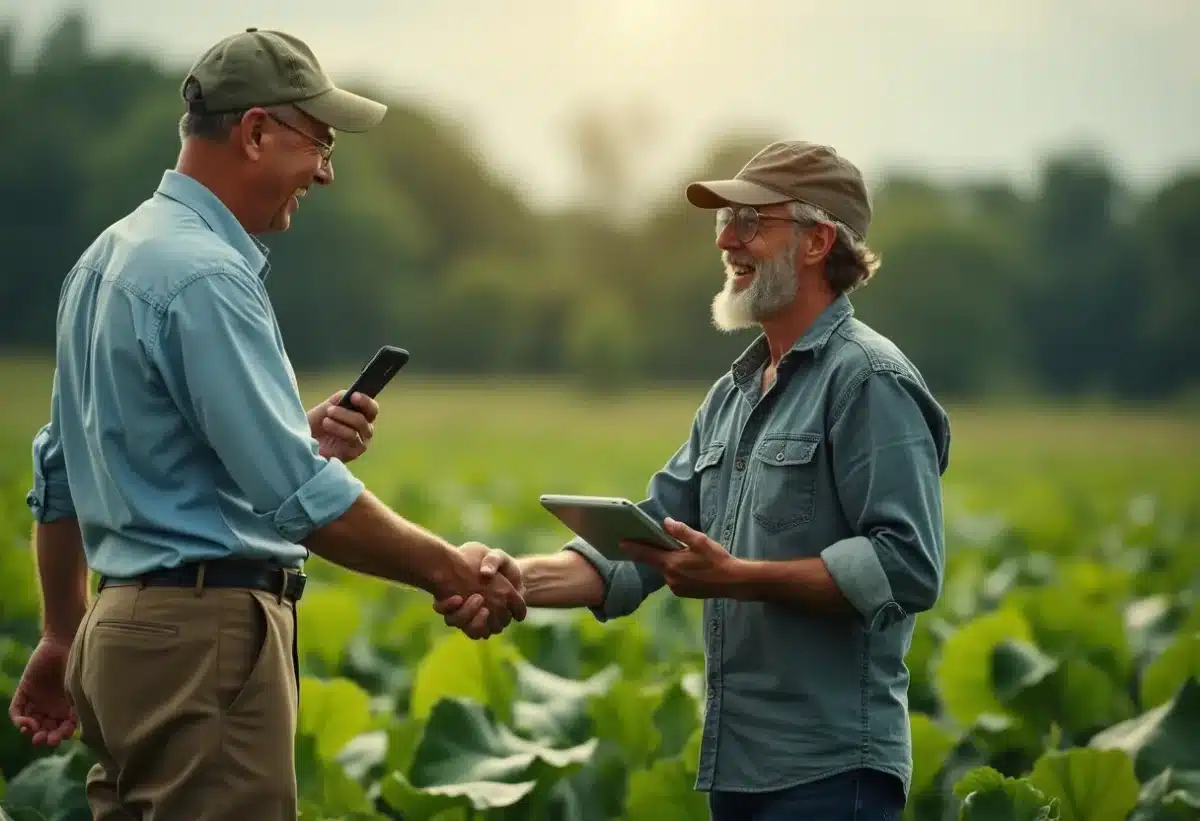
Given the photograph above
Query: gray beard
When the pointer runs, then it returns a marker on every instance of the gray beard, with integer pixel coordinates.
(772, 289)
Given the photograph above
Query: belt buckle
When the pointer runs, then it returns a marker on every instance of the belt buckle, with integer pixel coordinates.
(284, 573)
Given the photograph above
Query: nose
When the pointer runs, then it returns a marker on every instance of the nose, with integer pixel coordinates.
(324, 175)
(727, 237)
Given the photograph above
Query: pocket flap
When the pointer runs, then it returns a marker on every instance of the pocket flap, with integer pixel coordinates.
(711, 455)
(789, 448)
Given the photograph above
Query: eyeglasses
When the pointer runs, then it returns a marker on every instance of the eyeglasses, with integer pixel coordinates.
(324, 149)
(746, 220)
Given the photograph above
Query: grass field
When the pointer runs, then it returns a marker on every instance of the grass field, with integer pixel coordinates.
(1066, 647)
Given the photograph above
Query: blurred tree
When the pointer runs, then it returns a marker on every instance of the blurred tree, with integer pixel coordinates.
(1077, 287)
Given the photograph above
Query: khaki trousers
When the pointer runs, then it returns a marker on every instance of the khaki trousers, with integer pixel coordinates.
(188, 699)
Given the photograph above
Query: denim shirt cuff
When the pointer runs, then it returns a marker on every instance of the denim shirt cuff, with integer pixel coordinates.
(319, 501)
(856, 569)
(622, 590)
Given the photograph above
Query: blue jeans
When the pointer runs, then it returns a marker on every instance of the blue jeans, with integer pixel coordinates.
(858, 795)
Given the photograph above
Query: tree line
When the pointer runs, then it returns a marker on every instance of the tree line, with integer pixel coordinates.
(1076, 287)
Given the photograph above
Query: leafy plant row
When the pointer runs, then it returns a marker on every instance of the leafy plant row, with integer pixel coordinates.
(1058, 679)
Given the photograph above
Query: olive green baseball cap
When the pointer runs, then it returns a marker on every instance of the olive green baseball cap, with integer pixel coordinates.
(266, 68)
(793, 170)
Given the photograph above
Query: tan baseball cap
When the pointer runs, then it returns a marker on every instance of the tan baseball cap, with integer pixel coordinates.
(265, 68)
(793, 170)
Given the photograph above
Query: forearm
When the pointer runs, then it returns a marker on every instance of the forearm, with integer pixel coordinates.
(370, 538)
(802, 583)
(562, 579)
(63, 576)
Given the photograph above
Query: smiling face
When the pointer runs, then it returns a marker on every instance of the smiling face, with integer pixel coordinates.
(290, 150)
(761, 276)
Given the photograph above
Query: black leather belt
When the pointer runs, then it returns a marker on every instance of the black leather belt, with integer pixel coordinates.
(285, 582)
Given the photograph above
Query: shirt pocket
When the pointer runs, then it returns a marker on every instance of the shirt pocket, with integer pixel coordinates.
(785, 488)
(707, 468)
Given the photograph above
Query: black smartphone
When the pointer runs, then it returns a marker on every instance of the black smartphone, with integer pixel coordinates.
(378, 372)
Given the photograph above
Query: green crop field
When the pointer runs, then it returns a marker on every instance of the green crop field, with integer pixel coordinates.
(1058, 678)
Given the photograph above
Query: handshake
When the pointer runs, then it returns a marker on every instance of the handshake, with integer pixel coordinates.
(485, 600)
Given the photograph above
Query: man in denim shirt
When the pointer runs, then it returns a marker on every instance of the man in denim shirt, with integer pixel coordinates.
(179, 465)
(808, 496)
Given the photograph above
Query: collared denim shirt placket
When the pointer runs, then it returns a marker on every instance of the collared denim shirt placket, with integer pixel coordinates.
(746, 375)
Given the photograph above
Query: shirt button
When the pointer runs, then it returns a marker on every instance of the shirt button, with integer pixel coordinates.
(740, 464)
(779, 456)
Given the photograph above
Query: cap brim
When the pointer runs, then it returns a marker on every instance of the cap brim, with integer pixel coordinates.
(719, 193)
(343, 110)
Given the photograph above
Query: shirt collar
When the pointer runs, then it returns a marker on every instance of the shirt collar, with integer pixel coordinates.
(216, 215)
(814, 340)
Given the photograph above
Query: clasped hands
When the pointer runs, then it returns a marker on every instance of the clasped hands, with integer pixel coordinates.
(701, 569)
(497, 598)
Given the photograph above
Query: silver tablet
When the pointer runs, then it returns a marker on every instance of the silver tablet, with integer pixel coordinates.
(604, 521)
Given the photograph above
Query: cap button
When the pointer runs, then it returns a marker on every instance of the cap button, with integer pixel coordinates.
(252, 29)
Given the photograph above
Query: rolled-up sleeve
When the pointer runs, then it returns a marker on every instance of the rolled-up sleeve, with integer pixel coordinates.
(50, 497)
(221, 358)
(672, 492)
(891, 449)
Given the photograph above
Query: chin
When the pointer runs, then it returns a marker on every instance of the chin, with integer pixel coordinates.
(732, 311)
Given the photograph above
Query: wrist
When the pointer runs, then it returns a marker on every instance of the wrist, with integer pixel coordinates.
(60, 627)
(742, 579)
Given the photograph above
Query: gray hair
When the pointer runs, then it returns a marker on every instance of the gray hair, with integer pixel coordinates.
(215, 126)
(851, 262)
(208, 126)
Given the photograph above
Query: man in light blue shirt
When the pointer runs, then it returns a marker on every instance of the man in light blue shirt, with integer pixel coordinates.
(179, 465)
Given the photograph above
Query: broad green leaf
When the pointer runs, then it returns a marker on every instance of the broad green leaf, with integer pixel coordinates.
(677, 718)
(931, 745)
(333, 711)
(1089, 698)
(423, 803)
(325, 787)
(987, 795)
(1016, 666)
(1076, 696)
(667, 790)
(403, 737)
(620, 716)
(326, 624)
(1090, 784)
(1169, 796)
(52, 787)
(549, 638)
(554, 709)
(406, 629)
(624, 642)
(594, 793)
(1068, 623)
(1162, 737)
(483, 671)
(964, 671)
(1167, 673)
(464, 743)
(364, 754)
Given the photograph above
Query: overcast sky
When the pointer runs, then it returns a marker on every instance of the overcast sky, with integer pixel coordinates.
(953, 86)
